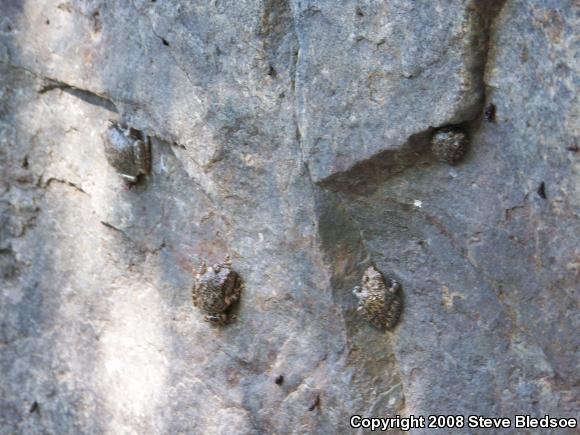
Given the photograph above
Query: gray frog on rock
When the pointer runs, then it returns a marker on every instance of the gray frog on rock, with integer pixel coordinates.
(215, 289)
(379, 304)
(127, 151)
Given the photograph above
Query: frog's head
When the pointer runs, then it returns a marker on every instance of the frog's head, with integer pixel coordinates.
(372, 277)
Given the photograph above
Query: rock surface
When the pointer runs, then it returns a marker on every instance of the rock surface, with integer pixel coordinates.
(292, 135)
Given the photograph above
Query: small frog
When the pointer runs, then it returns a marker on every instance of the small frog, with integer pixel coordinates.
(215, 289)
(379, 304)
(127, 151)
(449, 144)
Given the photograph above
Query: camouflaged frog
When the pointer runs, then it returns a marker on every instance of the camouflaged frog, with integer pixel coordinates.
(127, 151)
(379, 304)
(449, 144)
(215, 289)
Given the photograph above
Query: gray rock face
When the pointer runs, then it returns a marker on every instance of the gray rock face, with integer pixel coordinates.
(293, 136)
(372, 74)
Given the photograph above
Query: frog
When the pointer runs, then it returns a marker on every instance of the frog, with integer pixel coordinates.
(379, 303)
(449, 144)
(215, 290)
(127, 151)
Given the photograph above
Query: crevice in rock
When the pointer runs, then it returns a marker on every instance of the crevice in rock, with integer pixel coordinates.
(298, 133)
(112, 227)
(342, 236)
(90, 97)
(276, 24)
(65, 182)
(345, 252)
(365, 177)
(489, 10)
(87, 96)
(134, 247)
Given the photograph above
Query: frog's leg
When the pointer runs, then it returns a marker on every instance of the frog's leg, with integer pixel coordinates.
(234, 296)
(142, 158)
(219, 319)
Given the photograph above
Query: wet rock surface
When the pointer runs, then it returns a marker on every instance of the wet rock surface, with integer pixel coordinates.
(295, 137)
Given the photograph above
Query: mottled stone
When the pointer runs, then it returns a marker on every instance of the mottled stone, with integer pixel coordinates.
(255, 110)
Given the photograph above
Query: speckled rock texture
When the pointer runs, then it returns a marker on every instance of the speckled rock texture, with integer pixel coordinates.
(293, 136)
